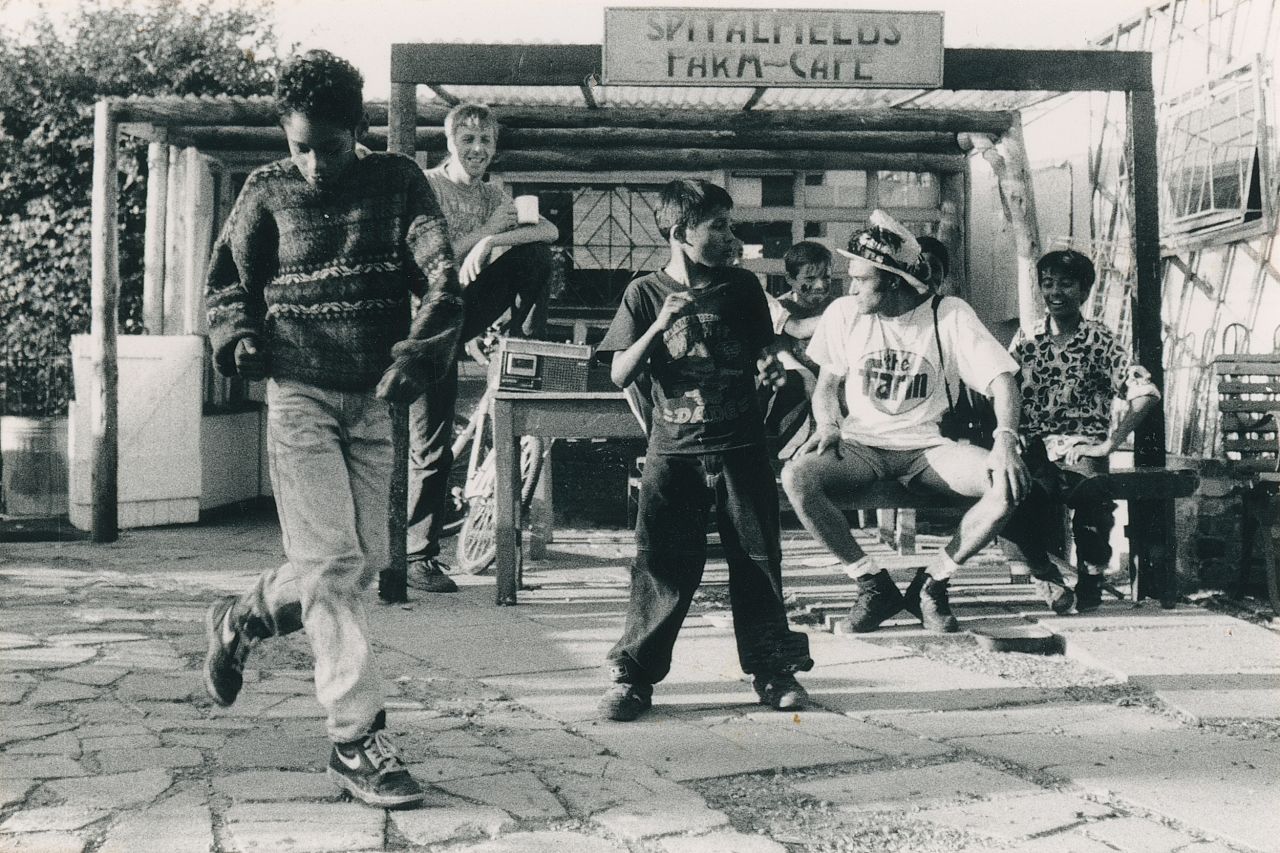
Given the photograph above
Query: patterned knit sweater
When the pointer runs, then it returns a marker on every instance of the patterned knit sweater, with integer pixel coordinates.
(322, 278)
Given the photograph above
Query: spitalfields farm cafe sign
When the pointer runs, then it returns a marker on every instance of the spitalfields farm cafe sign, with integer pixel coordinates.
(772, 47)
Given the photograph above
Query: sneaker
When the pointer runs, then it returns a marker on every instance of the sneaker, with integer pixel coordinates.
(371, 770)
(429, 576)
(1088, 592)
(878, 599)
(1055, 592)
(935, 607)
(228, 647)
(622, 703)
(911, 595)
(780, 692)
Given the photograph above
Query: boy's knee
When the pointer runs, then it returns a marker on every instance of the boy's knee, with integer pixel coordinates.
(798, 480)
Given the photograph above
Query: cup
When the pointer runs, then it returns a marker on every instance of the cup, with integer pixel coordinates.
(526, 209)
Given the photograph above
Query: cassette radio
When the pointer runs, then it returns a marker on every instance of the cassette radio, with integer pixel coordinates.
(525, 365)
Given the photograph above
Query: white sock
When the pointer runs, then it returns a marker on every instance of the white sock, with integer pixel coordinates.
(1091, 569)
(864, 568)
(943, 567)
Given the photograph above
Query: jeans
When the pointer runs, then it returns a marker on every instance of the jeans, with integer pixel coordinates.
(518, 280)
(1029, 533)
(671, 553)
(330, 461)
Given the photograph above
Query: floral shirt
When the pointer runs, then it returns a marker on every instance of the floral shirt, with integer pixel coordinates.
(1067, 389)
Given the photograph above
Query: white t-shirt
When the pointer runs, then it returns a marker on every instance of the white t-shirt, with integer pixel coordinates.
(893, 385)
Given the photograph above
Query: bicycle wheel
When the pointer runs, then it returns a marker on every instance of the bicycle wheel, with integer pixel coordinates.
(477, 542)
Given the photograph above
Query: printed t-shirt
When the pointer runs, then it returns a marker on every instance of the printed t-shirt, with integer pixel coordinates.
(894, 388)
(1067, 389)
(703, 368)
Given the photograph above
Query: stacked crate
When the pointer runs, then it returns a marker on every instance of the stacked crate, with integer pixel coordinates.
(1249, 408)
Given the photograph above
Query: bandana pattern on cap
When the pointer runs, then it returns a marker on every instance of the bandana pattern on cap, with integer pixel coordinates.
(889, 246)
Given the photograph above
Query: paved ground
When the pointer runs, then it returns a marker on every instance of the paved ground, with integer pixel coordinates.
(1157, 731)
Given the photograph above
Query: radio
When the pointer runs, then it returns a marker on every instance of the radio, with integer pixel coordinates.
(525, 365)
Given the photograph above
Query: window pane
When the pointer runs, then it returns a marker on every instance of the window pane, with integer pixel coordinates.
(907, 189)
(775, 237)
(778, 191)
(836, 188)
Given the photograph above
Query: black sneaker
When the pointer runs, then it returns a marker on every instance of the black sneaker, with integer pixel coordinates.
(1088, 592)
(622, 703)
(878, 599)
(228, 647)
(429, 576)
(780, 692)
(1055, 593)
(935, 607)
(371, 770)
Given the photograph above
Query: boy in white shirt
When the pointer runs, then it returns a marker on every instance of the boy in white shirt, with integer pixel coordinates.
(897, 349)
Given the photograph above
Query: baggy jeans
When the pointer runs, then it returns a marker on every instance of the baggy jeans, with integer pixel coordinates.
(518, 280)
(1029, 532)
(671, 553)
(330, 462)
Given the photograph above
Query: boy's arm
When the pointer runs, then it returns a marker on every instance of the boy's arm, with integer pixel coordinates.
(801, 327)
(233, 287)
(428, 351)
(628, 363)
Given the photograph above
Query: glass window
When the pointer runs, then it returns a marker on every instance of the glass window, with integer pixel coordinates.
(907, 189)
(778, 191)
(775, 237)
(837, 188)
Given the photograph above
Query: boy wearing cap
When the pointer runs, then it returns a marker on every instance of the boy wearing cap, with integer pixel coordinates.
(1072, 369)
(699, 328)
(897, 349)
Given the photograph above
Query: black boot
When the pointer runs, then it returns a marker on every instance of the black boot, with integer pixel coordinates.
(935, 607)
(911, 595)
(1088, 592)
(878, 599)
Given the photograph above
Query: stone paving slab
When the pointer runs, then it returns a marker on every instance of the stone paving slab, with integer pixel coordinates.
(44, 842)
(302, 828)
(720, 842)
(267, 785)
(1018, 818)
(162, 830)
(445, 819)
(644, 818)
(1139, 835)
(112, 791)
(521, 794)
(546, 842)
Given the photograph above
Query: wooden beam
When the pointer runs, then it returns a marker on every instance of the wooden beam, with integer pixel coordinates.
(695, 159)
(433, 139)
(393, 580)
(154, 251)
(104, 298)
(962, 68)
(495, 64)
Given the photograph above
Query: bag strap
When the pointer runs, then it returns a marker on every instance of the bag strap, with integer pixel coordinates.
(937, 336)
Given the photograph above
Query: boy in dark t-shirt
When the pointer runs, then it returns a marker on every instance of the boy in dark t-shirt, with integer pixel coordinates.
(700, 330)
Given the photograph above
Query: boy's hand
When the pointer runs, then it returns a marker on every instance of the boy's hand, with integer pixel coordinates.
(475, 261)
(672, 306)
(769, 372)
(824, 438)
(251, 362)
(502, 219)
(399, 385)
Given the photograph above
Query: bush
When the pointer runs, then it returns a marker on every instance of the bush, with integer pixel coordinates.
(51, 75)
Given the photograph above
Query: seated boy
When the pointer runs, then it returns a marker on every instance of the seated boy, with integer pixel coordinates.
(795, 315)
(700, 328)
(1071, 370)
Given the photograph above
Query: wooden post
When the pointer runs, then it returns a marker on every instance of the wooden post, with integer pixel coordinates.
(175, 229)
(1008, 159)
(402, 118)
(105, 291)
(154, 256)
(1152, 522)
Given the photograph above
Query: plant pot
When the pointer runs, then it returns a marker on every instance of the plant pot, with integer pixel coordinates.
(33, 466)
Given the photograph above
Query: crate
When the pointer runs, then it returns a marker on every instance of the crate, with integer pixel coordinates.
(1249, 409)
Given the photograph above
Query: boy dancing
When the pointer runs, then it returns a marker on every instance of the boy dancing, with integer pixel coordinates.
(700, 328)
(308, 287)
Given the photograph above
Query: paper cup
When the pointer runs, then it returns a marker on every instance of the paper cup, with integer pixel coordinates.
(527, 209)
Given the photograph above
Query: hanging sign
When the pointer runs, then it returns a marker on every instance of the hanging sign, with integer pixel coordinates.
(648, 46)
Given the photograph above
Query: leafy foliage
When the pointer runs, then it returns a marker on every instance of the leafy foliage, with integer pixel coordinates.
(51, 75)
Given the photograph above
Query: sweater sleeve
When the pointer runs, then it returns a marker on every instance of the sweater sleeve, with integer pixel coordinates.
(429, 349)
(241, 264)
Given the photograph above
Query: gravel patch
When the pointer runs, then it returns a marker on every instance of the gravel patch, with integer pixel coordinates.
(764, 804)
(1052, 672)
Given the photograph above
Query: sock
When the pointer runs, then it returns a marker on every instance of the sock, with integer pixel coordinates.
(943, 567)
(863, 568)
(1091, 569)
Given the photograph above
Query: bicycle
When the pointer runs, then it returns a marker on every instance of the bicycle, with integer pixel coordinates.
(477, 544)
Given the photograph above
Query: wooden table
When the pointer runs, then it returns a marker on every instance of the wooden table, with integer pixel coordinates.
(586, 414)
